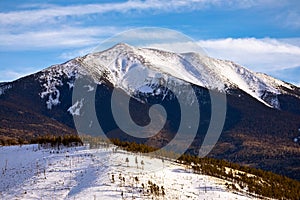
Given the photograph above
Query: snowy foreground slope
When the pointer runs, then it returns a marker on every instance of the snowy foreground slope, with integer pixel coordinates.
(82, 173)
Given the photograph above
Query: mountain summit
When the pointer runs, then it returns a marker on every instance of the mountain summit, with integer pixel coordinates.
(118, 62)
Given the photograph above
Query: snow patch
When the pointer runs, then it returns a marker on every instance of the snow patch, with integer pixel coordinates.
(75, 108)
(51, 79)
(90, 88)
(71, 84)
(145, 89)
(53, 99)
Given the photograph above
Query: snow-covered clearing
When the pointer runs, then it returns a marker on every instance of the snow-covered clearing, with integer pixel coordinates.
(82, 173)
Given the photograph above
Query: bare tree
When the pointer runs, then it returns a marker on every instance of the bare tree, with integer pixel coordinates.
(142, 163)
(136, 162)
(127, 161)
(112, 178)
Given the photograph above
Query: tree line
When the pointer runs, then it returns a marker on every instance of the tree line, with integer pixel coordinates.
(56, 141)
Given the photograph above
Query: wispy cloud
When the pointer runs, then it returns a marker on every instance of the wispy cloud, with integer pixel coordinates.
(48, 12)
(8, 74)
(297, 84)
(55, 37)
(257, 54)
(292, 19)
(67, 55)
(44, 25)
(290, 75)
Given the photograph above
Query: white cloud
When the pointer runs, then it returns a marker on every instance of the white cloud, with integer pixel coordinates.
(178, 47)
(250, 45)
(43, 25)
(257, 54)
(292, 18)
(8, 75)
(46, 12)
(297, 84)
(62, 37)
(67, 55)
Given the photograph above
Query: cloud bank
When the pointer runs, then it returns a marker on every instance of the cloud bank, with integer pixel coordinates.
(257, 54)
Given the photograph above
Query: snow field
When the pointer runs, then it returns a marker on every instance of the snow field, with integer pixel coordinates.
(82, 173)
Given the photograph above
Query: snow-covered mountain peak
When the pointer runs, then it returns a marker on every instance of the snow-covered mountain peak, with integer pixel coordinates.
(133, 69)
(121, 59)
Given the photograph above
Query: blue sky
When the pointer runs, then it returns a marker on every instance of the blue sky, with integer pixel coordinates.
(263, 35)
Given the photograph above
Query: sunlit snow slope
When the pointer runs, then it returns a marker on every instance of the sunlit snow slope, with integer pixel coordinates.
(82, 173)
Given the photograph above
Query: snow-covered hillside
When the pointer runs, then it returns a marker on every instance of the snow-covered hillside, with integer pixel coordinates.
(143, 70)
(28, 172)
